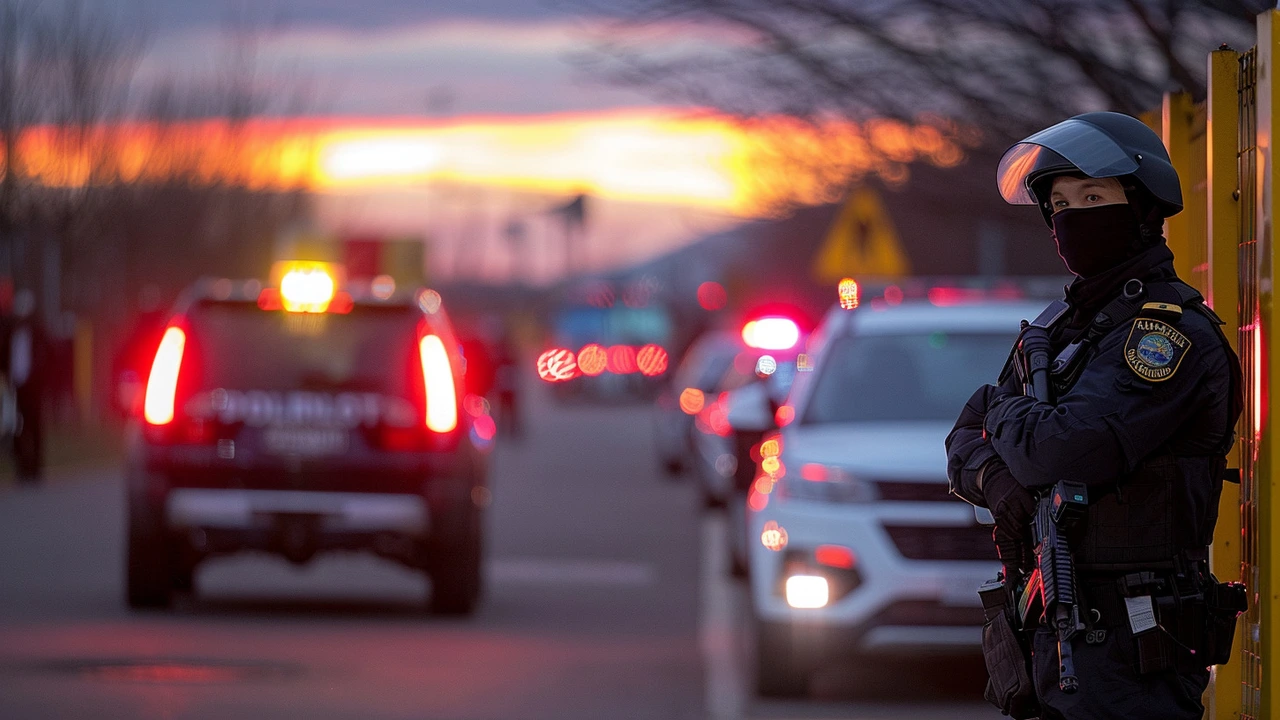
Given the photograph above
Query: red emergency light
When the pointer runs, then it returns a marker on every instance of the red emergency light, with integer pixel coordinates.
(771, 333)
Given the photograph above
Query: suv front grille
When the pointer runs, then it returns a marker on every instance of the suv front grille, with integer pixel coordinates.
(933, 542)
(928, 613)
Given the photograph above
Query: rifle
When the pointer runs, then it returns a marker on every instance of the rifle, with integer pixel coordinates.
(1051, 587)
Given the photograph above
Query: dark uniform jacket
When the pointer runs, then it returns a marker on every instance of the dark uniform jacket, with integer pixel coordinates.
(1146, 425)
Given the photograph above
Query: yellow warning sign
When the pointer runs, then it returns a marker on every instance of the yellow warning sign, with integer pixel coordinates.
(861, 243)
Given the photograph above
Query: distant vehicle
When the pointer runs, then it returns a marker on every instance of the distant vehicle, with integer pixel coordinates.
(857, 548)
(751, 410)
(608, 347)
(302, 416)
(714, 461)
(718, 363)
(686, 394)
(767, 346)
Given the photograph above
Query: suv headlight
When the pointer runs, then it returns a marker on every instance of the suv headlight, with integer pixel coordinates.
(824, 483)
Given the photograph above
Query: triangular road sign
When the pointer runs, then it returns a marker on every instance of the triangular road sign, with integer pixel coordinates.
(862, 242)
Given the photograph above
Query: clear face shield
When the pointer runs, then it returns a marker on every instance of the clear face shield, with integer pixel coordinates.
(1079, 143)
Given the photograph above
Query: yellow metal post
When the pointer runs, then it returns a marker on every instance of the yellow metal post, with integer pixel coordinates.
(1221, 291)
(1182, 127)
(1251, 359)
(1268, 175)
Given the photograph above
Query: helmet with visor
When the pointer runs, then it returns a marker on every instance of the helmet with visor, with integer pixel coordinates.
(1097, 145)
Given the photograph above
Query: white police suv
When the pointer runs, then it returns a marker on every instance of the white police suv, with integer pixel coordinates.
(856, 547)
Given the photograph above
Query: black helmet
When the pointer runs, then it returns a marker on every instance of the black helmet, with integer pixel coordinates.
(1096, 144)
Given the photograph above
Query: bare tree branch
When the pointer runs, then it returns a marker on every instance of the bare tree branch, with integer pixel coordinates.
(1008, 67)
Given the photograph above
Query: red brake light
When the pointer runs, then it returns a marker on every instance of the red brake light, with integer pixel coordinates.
(437, 375)
(162, 383)
(813, 472)
(771, 333)
(836, 556)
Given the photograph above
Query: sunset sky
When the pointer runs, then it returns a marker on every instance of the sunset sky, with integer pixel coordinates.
(450, 119)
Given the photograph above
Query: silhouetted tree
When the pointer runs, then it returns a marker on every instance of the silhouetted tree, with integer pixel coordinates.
(1003, 67)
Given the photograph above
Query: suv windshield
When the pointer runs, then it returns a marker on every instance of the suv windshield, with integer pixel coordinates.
(926, 376)
(242, 347)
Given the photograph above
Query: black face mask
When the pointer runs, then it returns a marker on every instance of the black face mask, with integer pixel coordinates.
(1093, 240)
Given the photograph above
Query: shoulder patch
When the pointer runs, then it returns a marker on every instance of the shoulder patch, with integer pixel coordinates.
(1155, 349)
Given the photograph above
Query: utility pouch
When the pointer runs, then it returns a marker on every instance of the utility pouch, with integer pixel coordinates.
(1009, 685)
(1155, 647)
(1141, 605)
(1223, 604)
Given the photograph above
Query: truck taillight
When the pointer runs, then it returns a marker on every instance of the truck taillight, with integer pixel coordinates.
(437, 376)
(162, 383)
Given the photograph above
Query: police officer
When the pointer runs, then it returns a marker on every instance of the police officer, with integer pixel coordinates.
(26, 367)
(1146, 396)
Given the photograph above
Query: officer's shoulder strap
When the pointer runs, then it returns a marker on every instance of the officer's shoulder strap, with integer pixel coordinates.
(1189, 297)
(1120, 310)
(1162, 300)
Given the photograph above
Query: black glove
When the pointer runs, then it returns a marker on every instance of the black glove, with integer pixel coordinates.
(1011, 504)
(1014, 551)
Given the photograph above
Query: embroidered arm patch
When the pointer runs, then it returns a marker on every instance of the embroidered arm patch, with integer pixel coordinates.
(1154, 349)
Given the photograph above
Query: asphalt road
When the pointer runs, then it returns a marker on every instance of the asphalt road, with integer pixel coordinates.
(606, 599)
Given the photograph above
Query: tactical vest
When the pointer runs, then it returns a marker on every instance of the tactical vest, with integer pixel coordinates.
(1162, 514)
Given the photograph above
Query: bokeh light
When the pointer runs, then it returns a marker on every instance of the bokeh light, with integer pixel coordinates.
(766, 366)
(557, 365)
(771, 333)
(774, 536)
(692, 401)
(712, 295)
(592, 359)
(622, 360)
(651, 359)
(848, 292)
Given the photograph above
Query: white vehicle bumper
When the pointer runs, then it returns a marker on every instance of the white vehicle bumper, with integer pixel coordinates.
(189, 508)
(898, 605)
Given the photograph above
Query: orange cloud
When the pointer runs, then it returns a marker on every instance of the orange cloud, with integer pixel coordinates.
(662, 156)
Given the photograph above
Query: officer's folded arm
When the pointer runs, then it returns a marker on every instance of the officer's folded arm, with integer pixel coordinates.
(967, 453)
(967, 447)
(1102, 428)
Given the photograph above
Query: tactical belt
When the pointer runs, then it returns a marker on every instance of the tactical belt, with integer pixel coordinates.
(1184, 620)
